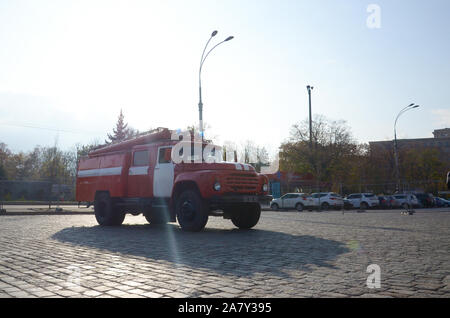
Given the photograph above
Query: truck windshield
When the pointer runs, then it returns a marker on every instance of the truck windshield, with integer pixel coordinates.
(207, 153)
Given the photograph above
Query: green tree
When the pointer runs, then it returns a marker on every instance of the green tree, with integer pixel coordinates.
(122, 131)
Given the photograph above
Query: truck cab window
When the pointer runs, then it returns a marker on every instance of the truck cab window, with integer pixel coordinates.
(141, 158)
(164, 155)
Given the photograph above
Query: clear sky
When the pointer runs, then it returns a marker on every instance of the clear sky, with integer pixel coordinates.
(72, 65)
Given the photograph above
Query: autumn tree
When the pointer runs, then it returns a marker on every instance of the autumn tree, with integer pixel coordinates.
(254, 154)
(328, 158)
(5, 153)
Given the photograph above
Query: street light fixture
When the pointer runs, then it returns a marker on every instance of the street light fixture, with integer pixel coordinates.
(202, 61)
(397, 173)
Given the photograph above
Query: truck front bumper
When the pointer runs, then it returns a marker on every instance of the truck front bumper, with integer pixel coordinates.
(234, 199)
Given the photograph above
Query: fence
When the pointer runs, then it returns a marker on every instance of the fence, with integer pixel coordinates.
(30, 190)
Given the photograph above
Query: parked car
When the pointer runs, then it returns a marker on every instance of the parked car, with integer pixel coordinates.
(347, 204)
(385, 202)
(326, 200)
(426, 199)
(363, 200)
(298, 201)
(406, 201)
(392, 201)
(440, 202)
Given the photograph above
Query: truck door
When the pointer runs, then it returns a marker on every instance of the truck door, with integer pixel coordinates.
(139, 179)
(163, 175)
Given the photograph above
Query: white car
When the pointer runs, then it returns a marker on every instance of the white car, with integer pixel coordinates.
(363, 200)
(326, 200)
(298, 201)
(405, 201)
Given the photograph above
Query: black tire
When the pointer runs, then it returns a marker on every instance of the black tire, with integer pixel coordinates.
(156, 217)
(274, 207)
(363, 206)
(405, 206)
(246, 216)
(106, 213)
(299, 207)
(191, 211)
(325, 206)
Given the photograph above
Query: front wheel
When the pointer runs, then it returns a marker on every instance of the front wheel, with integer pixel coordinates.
(274, 207)
(246, 216)
(191, 211)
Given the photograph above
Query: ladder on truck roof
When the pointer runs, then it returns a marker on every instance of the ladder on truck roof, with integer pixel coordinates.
(159, 133)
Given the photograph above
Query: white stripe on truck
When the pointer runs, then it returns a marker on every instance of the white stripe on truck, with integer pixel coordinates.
(116, 171)
(138, 171)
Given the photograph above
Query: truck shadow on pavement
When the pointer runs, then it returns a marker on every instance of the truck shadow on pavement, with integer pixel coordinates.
(224, 251)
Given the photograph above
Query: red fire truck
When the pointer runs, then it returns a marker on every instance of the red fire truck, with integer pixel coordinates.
(139, 176)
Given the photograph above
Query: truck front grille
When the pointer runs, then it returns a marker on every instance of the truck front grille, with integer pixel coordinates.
(242, 182)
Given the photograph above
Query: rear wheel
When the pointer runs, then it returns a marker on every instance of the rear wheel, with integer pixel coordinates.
(325, 206)
(299, 207)
(405, 206)
(364, 206)
(106, 212)
(156, 217)
(246, 216)
(191, 211)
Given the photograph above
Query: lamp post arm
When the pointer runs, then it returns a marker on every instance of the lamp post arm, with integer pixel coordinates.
(205, 56)
(202, 60)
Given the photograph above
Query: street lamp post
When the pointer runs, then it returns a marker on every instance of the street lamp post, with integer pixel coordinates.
(397, 173)
(310, 88)
(202, 61)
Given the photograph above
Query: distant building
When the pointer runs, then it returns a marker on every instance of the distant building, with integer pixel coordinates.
(442, 133)
(283, 182)
(441, 142)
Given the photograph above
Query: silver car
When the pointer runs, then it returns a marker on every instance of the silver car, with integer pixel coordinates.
(363, 200)
(405, 201)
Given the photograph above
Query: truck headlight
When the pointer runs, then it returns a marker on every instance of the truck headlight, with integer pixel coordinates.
(217, 186)
(265, 187)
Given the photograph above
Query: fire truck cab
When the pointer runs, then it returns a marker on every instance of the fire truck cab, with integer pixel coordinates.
(139, 176)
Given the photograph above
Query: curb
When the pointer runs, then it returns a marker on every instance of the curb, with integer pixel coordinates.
(46, 213)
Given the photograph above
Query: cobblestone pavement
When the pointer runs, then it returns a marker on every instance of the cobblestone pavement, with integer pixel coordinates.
(288, 254)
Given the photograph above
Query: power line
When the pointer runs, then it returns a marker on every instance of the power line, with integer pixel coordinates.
(51, 129)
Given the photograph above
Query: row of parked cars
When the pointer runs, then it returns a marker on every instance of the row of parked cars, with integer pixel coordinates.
(331, 200)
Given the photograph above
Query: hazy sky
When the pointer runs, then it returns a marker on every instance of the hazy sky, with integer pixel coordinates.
(72, 65)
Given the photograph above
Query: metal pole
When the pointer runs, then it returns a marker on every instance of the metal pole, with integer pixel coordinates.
(397, 176)
(397, 170)
(202, 60)
(309, 88)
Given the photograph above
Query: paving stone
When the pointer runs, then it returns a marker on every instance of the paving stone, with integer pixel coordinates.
(286, 255)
